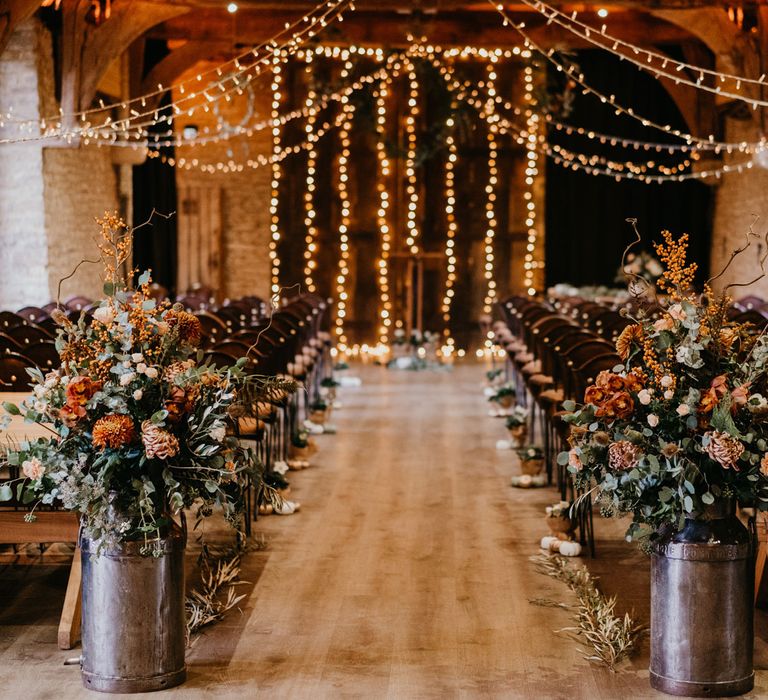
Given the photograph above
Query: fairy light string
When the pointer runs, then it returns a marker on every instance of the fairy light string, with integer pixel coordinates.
(451, 225)
(310, 214)
(490, 191)
(411, 188)
(531, 171)
(578, 77)
(229, 79)
(632, 53)
(274, 203)
(385, 236)
(342, 296)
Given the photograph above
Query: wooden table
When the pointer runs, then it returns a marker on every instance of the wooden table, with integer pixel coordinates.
(49, 526)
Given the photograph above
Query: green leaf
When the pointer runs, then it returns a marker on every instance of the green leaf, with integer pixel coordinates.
(569, 405)
(708, 498)
(689, 487)
(144, 278)
(159, 416)
(688, 504)
(562, 459)
(109, 289)
(722, 420)
(11, 408)
(6, 492)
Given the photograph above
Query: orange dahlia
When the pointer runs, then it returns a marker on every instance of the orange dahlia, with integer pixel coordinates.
(189, 328)
(114, 430)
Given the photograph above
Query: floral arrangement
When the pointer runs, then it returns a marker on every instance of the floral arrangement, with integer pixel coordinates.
(530, 452)
(502, 392)
(318, 405)
(139, 422)
(493, 376)
(560, 509)
(682, 423)
(416, 339)
(300, 439)
(643, 265)
(517, 417)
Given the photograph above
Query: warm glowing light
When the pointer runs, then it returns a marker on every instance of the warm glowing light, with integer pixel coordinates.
(274, 225)
(348, 110)
(602, 12)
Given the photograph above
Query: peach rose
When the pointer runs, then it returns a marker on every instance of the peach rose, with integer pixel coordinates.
(33, 469)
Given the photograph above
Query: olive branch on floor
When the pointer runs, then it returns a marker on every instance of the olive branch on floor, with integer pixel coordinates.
(608, 638)
(217, 592)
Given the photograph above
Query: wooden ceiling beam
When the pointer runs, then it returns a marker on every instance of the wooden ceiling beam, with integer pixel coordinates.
(438, 6)
(390, 29)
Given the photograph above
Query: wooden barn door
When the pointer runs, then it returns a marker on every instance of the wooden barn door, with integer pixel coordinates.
(200, 244)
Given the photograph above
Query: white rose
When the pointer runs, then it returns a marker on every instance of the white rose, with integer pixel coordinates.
(644, 396)
(138, 394)
(127, 378)
(683, 409)
(141, 368)
(666, 381)
(151, 372)
(104, 314)
(653, 420)
(137, 357)
(668, 394)
(33, 469)
(127, 364)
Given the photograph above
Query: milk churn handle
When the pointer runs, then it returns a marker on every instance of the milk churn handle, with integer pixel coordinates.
(183, 525)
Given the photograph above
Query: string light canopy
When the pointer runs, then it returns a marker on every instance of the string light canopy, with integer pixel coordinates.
(600, 38)
(578, 77)
(224, 80)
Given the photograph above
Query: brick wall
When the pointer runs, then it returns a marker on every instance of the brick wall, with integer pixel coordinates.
(245, 196)
(738, 200)
(23, 247)
(80, 185)
(50, 194)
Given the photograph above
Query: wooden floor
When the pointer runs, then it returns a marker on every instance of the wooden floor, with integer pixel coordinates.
(406, 574)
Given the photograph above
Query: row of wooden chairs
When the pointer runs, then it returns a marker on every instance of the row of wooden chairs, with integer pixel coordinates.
(553, 355)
